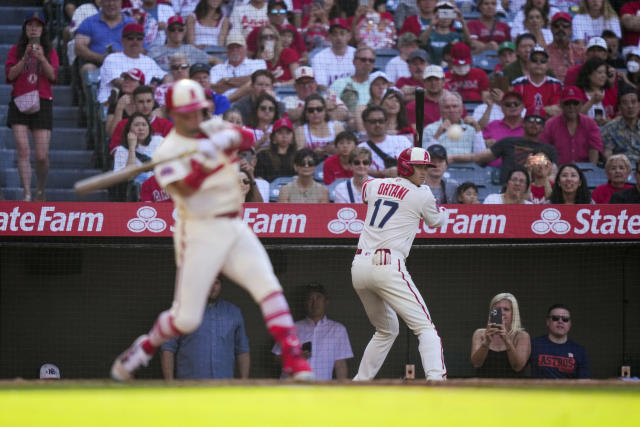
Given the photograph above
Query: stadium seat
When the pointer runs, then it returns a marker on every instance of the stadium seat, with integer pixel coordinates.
(318, 175)
(383, 56)
(593, 174)
(462, 172)
(470, 106)
(486, 60)
(332, 188)
(284, 91)
(485, 190)
(276, 184)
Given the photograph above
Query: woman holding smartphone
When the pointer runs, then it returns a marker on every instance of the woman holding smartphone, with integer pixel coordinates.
(502, 349)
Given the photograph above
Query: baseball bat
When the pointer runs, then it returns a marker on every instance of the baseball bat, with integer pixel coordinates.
(419, 113)
(107, 179)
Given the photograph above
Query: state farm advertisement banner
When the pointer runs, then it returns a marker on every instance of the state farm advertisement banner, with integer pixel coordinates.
(324, 221)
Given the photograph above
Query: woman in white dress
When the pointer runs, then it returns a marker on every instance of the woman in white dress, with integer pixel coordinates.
(515, 191)
(207, 25)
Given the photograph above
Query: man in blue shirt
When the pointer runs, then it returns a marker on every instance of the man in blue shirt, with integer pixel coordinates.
(554, 355)
(211, 350)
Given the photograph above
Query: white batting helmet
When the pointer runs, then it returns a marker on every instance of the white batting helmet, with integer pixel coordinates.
(185, 96)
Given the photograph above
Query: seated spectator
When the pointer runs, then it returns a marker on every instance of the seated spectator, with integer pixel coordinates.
(614, 57)
(524, 45)
(379, 84)
(418, 61)
(630, 22)
(233, 116)
(339, 165)
(337, 60)
(178, 69)
(470, 82)
(316, 23)
(131, 57)
(278, 159)
(541, 170)
(397, 122)
(418, 23)
(406, 8)
(318, 132)
(513, 151)
(151, 192)
(123, 106)
(247, 160)
(262, 82)
(511, 126)
(469, 141)
(304, 189)
(506, 55)
(232, 77)
(518, 24)
(515, 191)
(441, 32)
(538, 89)
(325, 342)
(602, 98)
(632, 77)
(350, 191)
(184, 7)
(554, 355)
(536, 23)
(246, 17)
(487, 32)
(444, 190)
(282, 62)
(354, 90)
(79, 14)
(593, 18)
(622, 136)
(630, 195)
(385, 149)
(570, 187)
(175, 37)
(373, 29)
(501, 350)
(563, 53)
(398, 66)
(596, 48)
(467, 193)
(207, 25)
(618, 169)
(200, 73)
(138, 145)
(575, 136)
(491, 110)
(248, 187)
(433, 79)
(154, 18)
(262, 119)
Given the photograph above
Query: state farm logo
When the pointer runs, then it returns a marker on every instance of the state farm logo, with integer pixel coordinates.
(146, 220)
(347, 220)
(550, 221)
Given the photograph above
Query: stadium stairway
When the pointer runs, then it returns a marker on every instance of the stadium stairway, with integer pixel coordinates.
(70, 157)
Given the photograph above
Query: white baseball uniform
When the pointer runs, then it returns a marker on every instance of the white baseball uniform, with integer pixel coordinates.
(381, 280)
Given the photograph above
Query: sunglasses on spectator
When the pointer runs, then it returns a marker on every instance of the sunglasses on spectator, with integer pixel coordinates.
(245, 181)
(180, 67)
(564, 319)
(315, 109)
(571, 102)
(278, 12)
(511, 104)
(369, 60)
(376, 121)
(540, 61)
(176, 29)
(269, 108)
(268, 36)
(307, 163)
(536, 120)
(566, 26)
(136, 37)
(361, 162)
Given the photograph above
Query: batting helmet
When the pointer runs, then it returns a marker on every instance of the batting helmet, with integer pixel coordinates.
(412, 156)
(185, 96)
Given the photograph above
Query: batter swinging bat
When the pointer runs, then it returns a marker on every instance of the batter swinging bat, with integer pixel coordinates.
(419, 113)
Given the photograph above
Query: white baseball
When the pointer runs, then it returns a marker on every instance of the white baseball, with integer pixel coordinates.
(454, 132)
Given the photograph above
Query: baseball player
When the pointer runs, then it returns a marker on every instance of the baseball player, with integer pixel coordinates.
(380, 278)
(209, 237)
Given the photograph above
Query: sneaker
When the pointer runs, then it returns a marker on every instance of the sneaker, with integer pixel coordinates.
(128, 362)
(293, 364)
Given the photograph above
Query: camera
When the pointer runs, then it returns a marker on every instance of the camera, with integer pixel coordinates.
(446, 13)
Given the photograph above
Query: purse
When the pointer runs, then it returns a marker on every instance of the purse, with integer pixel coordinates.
(29, 102)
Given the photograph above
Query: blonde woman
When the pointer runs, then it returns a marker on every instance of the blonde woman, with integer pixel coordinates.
(593, 17)
(618, 169)
(502, 349)
(281, 61)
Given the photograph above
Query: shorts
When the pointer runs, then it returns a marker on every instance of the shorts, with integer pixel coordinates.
(43, 119)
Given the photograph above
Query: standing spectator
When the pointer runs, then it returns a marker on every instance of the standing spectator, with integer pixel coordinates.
(554, 355)
(524, 45)
(277, 160)
(470, 82)
(246, 17)
(418, 61)
(374, 29)
(398, 66)
(350, 190)
(596, 48)
(200, 73)
(501, 350)
(563, 53)
(570, 187)
(444, 190)
(518, 24)
(537, 89)
(32, 68)
(536, 23)
(419, 22)
(304, 189)
(344, 88)
(281, 61)
(123, 106)
(214, 348)
(131, 57)
(262, 119)
(575, 136)
(433, 78)
(487, 33)
(602, 98)
(622, 136)
(336, 61)
(440, 33)
(339, 165)
(630, 21)
(175, 38)
(618, 169)
(631, 195)
(318, 132)
(207, 25)
(139, 142)
(595, 16)
(467, 193)
(329, 341)
(155, 21)
(515, 191)
(262, 82)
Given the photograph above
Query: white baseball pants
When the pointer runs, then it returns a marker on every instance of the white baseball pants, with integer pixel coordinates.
(384, 291)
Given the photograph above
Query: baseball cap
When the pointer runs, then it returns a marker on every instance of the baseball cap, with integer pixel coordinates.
(135, 74)
(273, 3)
(407, 39)
(570, 93)
(444, 4)
(461, 54)
(289, 28)
(236, 38)
(304, 72)
(177, 19)
(378, 75)
(282, 123)
(597, 42)
(49, 371)
(561, 15)
(199, 67)
(536, 112)
(132, 27)
(339, 22)
(506, 45)
(418, 53)
(433, 71)
(38, 16)
(538, 49)
(437, 150)
(512, 93)
(635, 52)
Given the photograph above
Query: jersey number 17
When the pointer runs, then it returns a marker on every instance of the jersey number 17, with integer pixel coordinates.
(393, 207)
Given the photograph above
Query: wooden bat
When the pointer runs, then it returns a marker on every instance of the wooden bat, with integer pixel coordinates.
(419, 113)
(107, 179)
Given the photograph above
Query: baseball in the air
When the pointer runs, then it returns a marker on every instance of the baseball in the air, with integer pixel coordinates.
(454, 132)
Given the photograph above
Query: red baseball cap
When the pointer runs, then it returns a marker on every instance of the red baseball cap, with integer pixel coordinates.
(536, 111)
(282, 123)
(512, 93)
(561, 15)
(461, 54)
(132, 27)
(135, 74)
(339, 22)
(572, 93)
(177, 19)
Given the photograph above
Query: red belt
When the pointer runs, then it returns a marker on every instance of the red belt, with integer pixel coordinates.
(359, 251)
(228, 215)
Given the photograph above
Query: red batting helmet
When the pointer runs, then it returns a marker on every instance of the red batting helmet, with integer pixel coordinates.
(413, 156)
(185, 96)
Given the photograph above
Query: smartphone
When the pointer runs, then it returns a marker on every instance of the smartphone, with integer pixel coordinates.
(446, 13)
(307, 346)
(34, 40)
(496, 316)
(598, 112)
(363, 2)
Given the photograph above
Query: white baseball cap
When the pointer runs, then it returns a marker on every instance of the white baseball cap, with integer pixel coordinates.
(378, 75)
(433, 71)
(49, 371)
(597, 41)
(302, 72)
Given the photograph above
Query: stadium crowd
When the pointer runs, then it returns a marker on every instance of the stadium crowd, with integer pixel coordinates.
(534, 97)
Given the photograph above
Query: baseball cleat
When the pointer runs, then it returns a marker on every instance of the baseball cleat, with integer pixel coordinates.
(302, 372)
(130, 360)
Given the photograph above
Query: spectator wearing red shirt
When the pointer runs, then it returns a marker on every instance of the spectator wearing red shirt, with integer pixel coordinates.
(418, 61)
(602, 97)
(575, 136)
(338, 166)
(618, 169)
(630, 20)
(433, 91)
(596, 48)
(151, 192)
(417, 24)
(282, 62)
(487, 33)
(537, 88)
(470, 82)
